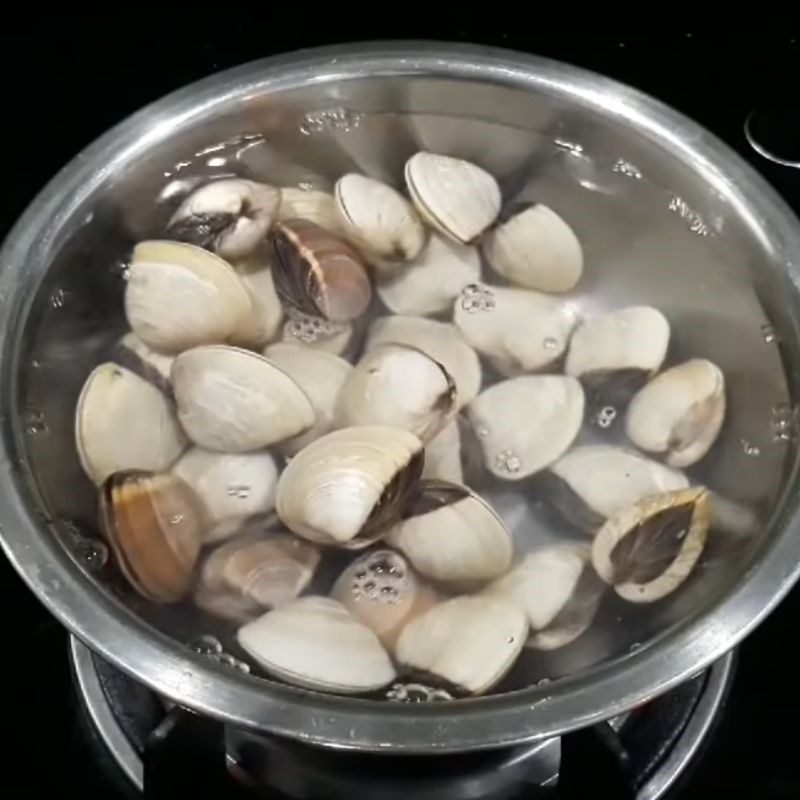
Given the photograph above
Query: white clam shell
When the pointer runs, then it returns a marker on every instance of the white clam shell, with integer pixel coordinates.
(518, 330)
(379, 221)
(536, 249)
(316, 643)
(441, 341)
(122, 422)
(229, 484)
(264, 322)
(317, 333)
(443, 455)
(151, 359)
(458, 198)
(525, 424)
(679, 413)
(636, 337)
(320, 375)
(310, 204)
(470, 642)
(398, 386)
(232, 400)
(179, 296)
(431, 283)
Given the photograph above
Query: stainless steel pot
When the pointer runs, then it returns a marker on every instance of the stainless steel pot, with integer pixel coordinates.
(720, 257)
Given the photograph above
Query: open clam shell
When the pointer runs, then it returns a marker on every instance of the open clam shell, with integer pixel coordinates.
(154, 523)
(398, 386)
(470, 643)
(348, 486)
(518, 330)
(179, 296)
(123, 422)
(232, 400)
(310, 204)
(451, 535)
(524, 424)
(679, 413)
(314, 642)
(649, 548)
(317, 333)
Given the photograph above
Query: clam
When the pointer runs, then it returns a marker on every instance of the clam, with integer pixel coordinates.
(379, 221)
(679, 413)
(310, 204)
(317, 333)
(470, 643)
(229, 216)
(254, 572)
(348, 486)
(398, 386)
(518, 330)
(314, 642)
(593, 482)
(123, 422)
(649, 548)
(232, 400)
(264, 321)
(318, 272)
(614, 354)
(133, 354)
(321, 376)
(430, 283)
(451, 535)
(441, 341)
(154, 523)
(457, 198)
(525, 424)
(536, 249)
(381, 591)
(229, 485)
(443, 455)
(180, 296)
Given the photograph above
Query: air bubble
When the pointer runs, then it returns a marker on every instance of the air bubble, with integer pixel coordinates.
(58, 299)
(207, 645)
(240, 492)
(176, 519)
(635, 647)
(784, 422)
(508, 461)
(550, 343)
(544, 681)
(605, 417)
(33, 422)
(476, 299)
(768, 334)
(750, 449)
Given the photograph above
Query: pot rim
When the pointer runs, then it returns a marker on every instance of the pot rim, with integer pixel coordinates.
(159, 662)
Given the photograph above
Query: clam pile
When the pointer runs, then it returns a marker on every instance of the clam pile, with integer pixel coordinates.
(298, 432)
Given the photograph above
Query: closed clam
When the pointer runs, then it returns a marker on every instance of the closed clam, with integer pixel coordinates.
(317, 333)
(310, 204)
(518, 330)
(318, 272)
(524, 424)
(469, 643)
(398, 386)
(536, 249)
(348, 486)
(441, 341)
(180, 296)
(381, 591)
(443, 455)
(153, 522)
(648, 549)
(679, 413)
(451, 535)
(314, 642)
(232, 400)
(124, 422)
(456, 197)
(264, 321)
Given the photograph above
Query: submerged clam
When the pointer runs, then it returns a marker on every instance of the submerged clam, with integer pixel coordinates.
(536, 249)
(348, 486)
(318, 272)
(679, 413)
(649, 548)
(229, 216)
(441, 341)
(456, 197)
(470, 643)
(593, 482)
(266, 316)
(317, 333)
(443, 455)
(123, 422)
(178, 296)
(398, 386)
(381, 591)
(379, 221)
(316, 643)
(451, 535)
(310, 204)
(154, 524)
(518, 330)
(524, 424)
(232, 400)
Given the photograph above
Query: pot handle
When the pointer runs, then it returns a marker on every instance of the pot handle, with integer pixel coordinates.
(754, 137)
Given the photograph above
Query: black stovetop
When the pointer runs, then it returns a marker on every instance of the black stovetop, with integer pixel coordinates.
(75, 86)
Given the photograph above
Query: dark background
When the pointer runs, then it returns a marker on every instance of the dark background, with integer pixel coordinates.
(60, 91)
